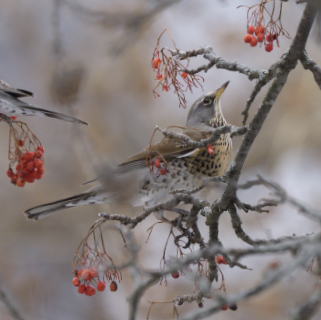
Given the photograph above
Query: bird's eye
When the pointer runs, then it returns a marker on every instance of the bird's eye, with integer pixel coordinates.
(207, 101)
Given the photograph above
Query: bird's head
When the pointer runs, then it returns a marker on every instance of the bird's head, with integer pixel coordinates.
(206, 110)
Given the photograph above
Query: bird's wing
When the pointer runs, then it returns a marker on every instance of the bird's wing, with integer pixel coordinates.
(17, 93)
(168, 148)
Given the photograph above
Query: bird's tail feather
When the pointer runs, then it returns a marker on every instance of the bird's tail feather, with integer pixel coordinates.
(53, 114)
(46, 209)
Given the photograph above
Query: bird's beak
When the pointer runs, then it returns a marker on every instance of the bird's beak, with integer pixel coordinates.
(220, 91)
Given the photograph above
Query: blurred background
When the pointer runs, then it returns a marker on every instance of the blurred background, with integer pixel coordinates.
(92, 60)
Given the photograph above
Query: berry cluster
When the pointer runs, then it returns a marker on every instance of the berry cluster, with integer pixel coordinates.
(88, 275)
(260, 34)
(29, 167)
(170, 72)
(160, 170)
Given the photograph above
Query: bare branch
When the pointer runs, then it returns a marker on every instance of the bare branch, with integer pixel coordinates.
(269, 279)
(309, 64)
(283, 197)
(10, 304)
(208, 54)
(308, 309)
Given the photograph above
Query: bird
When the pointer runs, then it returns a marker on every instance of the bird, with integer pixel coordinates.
(11, 105)
(173, 165)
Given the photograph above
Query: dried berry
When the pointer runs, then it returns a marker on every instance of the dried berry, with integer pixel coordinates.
(113, 286)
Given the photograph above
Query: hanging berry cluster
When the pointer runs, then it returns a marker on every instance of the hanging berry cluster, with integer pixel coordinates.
(170, 72)
(29, 168)
(93, 266)
(25, 153)
(84, 277)
(258, 31)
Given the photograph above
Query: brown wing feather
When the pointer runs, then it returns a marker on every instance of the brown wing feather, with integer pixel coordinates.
(168, 147)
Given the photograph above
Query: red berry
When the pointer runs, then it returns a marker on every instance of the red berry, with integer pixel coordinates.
(184, 75)
(41, 148)
(20, 182)
(10, 173)
(165, 88)
(93, 272)
(269, 47)
(30, 166)
(75, 282)
(113, 286)
(175, 274)
(33, 174)
(39, 176)
(250, 29)
(101, 285)
(260, 37)
(24, 163)
(85, 275)
(41, 170)
(210, 150)
(156, 62)
(159, 76)
(28, 156)
(256, 31)
(39, 153)
(38, 163)
(18, 166)
(220, 260)
(224, 307)
(25, 172)
(200, 305)
(90, 291)
(30, 179)
(13, 117)
(163, 171)
(81, 289)
(253, 41)
(247, 38)
(262, 29)
(157, 163)
(21, 143)
(14, 179)
(268, 38)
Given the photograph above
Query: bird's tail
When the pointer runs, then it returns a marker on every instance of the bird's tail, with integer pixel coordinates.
(44, 210)
(34, 110)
